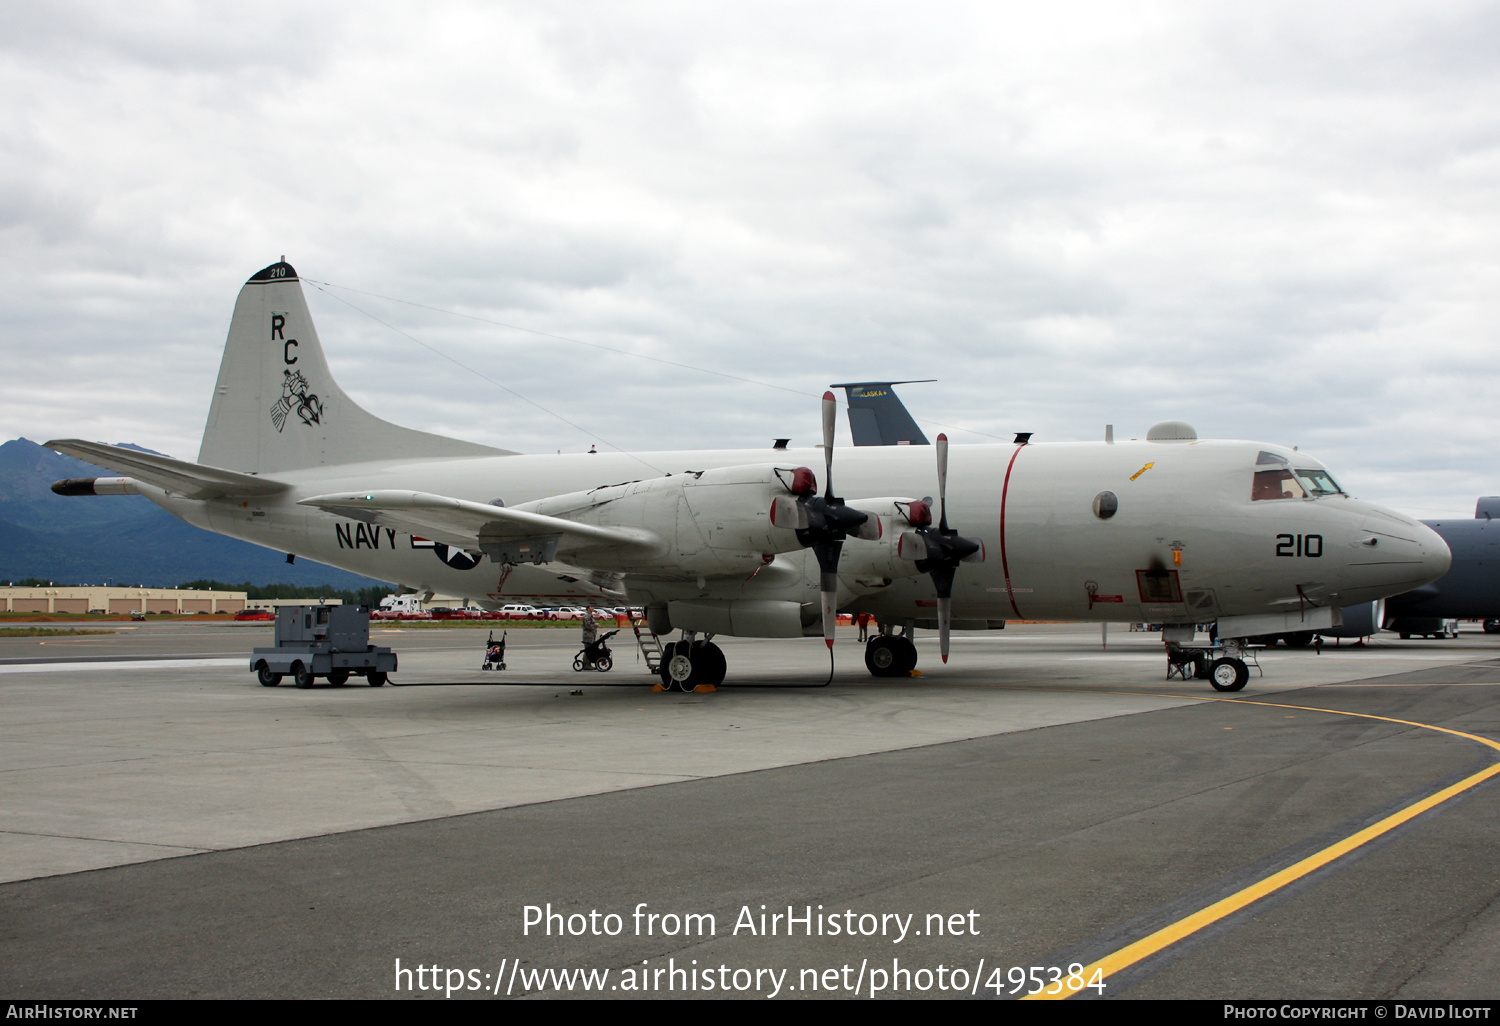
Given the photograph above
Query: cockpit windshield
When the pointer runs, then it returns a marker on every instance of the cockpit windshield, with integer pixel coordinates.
(1277, 484)
(1286, 483)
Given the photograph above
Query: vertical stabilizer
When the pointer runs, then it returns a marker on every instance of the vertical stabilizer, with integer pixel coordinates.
(277, 407)
(877, 416)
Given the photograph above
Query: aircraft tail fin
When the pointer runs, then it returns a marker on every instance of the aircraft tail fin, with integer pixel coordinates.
(877, 416)
(276, 405)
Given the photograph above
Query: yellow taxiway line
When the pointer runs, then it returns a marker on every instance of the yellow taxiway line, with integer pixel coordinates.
(1185, 927)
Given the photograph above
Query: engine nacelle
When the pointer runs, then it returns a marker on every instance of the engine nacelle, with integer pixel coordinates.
(708, 523)
(740, 618)
(884, 552)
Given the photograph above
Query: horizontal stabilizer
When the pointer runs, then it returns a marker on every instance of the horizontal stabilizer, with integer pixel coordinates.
(470, 525)
(190, 480)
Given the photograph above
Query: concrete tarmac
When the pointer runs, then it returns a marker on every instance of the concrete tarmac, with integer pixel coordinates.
(1047, 800)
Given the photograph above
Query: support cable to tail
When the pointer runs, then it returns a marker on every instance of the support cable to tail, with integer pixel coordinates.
(484, 377)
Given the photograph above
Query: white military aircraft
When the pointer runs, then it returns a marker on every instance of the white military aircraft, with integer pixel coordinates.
(1257, 538)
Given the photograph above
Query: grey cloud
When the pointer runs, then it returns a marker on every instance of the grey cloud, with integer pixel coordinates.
(1269, 222)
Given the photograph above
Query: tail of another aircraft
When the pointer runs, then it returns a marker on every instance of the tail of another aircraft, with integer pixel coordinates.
(277, 407)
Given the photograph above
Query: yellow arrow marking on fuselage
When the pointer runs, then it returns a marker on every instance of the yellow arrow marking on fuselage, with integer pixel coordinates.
(1138, 473)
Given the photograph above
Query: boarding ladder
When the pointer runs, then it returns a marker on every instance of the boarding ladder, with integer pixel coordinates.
(647, 639)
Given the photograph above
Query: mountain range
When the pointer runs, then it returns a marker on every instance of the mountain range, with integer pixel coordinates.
(121, 539)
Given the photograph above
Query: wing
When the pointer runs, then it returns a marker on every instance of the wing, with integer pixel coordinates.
(506, 535)
(190, 480)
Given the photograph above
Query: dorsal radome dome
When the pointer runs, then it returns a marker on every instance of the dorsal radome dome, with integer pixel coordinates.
(1172, 431)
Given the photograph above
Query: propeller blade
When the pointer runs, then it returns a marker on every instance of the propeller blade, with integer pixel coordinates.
(942, 468)
(829, 595)
(830, 419)
(828, 522)
(828, 552)
(945, 548)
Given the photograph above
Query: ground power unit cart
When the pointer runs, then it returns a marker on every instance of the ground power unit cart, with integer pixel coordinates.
(332, 642)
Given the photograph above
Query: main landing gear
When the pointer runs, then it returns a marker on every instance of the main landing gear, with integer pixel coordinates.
(688, 665)
(890, 655)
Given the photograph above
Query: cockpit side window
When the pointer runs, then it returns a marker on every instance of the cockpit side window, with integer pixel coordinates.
(1276, 484)
(1318, 483)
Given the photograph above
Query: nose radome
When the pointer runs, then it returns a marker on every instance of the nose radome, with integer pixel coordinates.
(1436, 556)
(1409, 541)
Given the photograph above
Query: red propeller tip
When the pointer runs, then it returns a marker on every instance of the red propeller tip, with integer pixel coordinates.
(827, 395)
(945, 659)
(828, 642)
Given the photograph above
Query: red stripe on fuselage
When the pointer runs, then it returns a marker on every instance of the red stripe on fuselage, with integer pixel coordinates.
(1004, 557)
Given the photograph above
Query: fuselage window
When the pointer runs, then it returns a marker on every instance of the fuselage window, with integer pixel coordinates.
(1276, 484)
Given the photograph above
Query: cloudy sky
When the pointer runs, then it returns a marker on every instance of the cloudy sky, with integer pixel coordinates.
(1276, 221)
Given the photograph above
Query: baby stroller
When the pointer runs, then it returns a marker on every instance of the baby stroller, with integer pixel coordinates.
(494, 652)
(595, 655)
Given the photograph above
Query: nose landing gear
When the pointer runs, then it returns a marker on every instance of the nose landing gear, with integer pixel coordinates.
(1228, 674)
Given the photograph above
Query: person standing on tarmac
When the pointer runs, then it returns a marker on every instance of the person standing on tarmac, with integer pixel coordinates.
(864, 626)
(590, 627)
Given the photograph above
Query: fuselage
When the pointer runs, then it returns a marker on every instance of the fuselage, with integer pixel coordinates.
(1188, 539)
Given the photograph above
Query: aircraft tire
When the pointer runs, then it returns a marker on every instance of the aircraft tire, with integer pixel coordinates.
(266, 677)
(1228, 674)
(908, 655)
(1201, 668)
(302, 676)
(375, 678)
(1492, 626)
(883, 656)
(677, 667)
(337, 678)
(709, 665)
